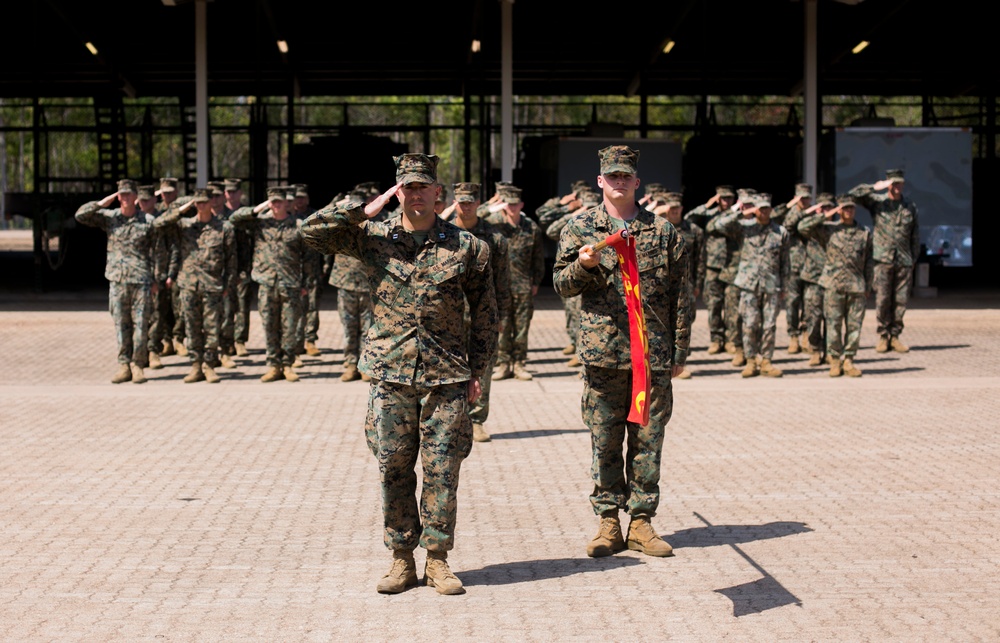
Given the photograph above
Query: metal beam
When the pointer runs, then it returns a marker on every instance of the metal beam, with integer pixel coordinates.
(810, 138)
(507, 91)
(201, 89)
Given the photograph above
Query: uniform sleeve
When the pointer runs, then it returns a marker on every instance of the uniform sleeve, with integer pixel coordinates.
(232, 265)
(569, 277)
(501, 276)
(556, 227)
(677, 291)
(537, 257)
(864, 194)
(91, 214)
(915, 237)
(869, 264)
(168, 218)
(726, 226)
(550, 212)
(244, 218)
(786, 264)
(699, 255)
(811, 226)
(337, 230)
(700, 216)
(482, 300)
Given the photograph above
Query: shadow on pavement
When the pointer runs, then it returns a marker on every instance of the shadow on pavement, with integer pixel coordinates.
(527, 571)
(939, 347)
(536, 433)
(715, 535)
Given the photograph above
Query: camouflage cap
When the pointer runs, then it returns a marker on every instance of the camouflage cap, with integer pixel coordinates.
(654, 188)
(824, 198)
(147, 191)
(371, 188)
(276, 193)
(619, 158)
(216, 188)
(126, 185)
(725, 191)
(762, 200)
(846, 201)
(803, 189)
(442, 194)
(289, 192)
(746, 195)
(896, 176)
(510, 194)
(673, 199)
(590, 198)
(168, 184)
(579, 186)
(357, 194)
(416, 168)
(201, 195)
(300, 189)
(466, 192)
(231, 185)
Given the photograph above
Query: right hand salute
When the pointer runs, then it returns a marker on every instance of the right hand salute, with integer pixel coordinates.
(108, 200)
(379, 202)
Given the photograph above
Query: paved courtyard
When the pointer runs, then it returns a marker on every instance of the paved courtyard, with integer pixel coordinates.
(805, 508)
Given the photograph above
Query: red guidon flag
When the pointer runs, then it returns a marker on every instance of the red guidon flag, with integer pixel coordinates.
(624, 245)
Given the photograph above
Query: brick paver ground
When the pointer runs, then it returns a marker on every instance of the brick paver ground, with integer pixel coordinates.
(804, 508)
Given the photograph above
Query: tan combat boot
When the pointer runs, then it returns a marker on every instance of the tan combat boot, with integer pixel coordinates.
(210, 375)
(298, 362)
(793, 346)
(898, 346)
(574, 362)
(180, 348)
(608, 539)
(241, 349)
(836, 369)
(751, 369)
(154, 361)
(739, 359)
(124, 374)
(767, 369)
(226, 361)
(883, 345)
(642, 537)
(816, 359)
(401, 576)
(138, 377)
(168, 348)
(290, 374)
(685, 375)
(569, 349)
(521, 373)
(806, 346)
(714, 348)
(850, 370)
(438, 575)
(502, 372)
(350, 373)
(479, 434)
(196, 374)
(730, 348)
(273, 374)
(312, 350)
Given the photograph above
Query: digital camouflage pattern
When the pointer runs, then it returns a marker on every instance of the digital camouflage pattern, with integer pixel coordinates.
(723, 311)
(161, 312)
(618, 158)
(762, 271)
(526, 263)
(795, 286)
(694, 242)
(418, 295)
(280, 271)
(242, 297)
(896, 249)
(314, 287)
(130, 271)
(355, 310)
(398, 433)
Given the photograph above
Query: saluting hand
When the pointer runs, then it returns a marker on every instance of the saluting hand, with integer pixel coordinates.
(882, 185)
(379, 202)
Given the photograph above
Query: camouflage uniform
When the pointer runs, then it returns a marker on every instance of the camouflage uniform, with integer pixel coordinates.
(552, 217)
(161, 312)
(762, 271)
(794, 288)
(177, 331)
(227, 317)
(130, 273)
(527, 268)
(812, 270)
(243, 295)
(896, 248)
(354, 304)
(279, 270)
(604, 348)
(417, 353)
(847, 279)
(309, 322)
(204, 270)
(714, 261)
(694, 253)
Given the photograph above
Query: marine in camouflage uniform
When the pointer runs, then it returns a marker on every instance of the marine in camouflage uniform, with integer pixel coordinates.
(847, 280)
(160, 314)
(762, 272)
(174, 343)
(354, 303)
(467, 201)
(227, 337)
(788, 215)
(426, 369)
(896, 246)
(240, 300)
(309, 325)
(204, 269)
(526, 254)
(280, 272)
(549, 215)
(130, 274)
(715, 260)
(669, 205)
(812, 271)
(631, 485)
